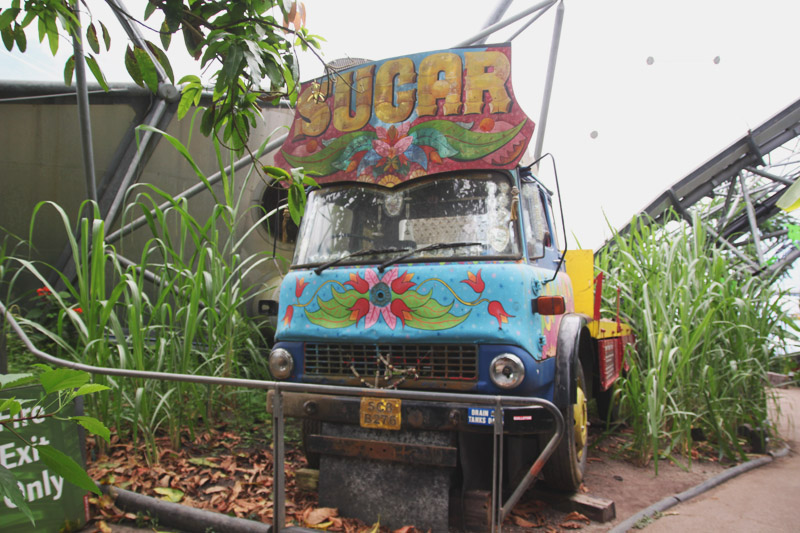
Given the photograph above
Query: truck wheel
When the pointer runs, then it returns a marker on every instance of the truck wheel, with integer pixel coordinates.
(311, 427)
(564, 470)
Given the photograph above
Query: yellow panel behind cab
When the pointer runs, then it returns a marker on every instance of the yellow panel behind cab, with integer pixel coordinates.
(580, 268)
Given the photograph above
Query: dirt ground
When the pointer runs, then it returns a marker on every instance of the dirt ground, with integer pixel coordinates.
(610, 476)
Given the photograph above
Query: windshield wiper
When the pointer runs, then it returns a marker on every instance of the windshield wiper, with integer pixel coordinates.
(438, 246)
(365, 251)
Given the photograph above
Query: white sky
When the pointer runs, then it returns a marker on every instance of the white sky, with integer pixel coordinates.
(654, 123)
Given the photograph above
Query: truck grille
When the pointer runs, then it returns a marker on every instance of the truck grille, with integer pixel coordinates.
(416, 361)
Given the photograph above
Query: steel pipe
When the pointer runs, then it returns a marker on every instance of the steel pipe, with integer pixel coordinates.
(84, 118)
(548, 86)
(503, 23)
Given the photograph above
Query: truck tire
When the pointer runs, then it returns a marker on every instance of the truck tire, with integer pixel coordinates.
(564, 470)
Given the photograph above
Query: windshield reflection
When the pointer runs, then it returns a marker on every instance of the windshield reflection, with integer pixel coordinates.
(348, 218)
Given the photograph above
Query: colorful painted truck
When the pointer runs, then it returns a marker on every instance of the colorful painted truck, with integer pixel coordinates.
(428, 260)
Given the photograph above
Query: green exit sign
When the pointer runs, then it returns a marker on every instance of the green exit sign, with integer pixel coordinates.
(56, 505)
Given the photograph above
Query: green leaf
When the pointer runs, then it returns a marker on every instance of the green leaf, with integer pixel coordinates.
(93, 426)
(166, 35)
(64, 466)
(325, 320)
(12, 405)
(436, 140)
(63, 379)
(431, 309)
(106, 36)
(470, 145)
(98, 74)
(207, 122)
(7, 17)
(52, 34)
(414, 299)
(187, 99)
(9, 489)
(69, 68)
(346, 299)
(10, 380)
(19, 36)
(133, 67)
(149, 9)
(170, 495)
(91, 388)
(147, 68)
(162, 59)
(446, 321)
(358, 144)
(91, 38)
(8, 38)
(276, 173)
(334, 308)
(322, 163)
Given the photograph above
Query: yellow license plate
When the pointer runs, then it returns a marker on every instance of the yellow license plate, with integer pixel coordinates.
(380, 413)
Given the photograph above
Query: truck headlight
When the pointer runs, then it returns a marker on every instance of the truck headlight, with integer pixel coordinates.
(281, 363)
(507, 371)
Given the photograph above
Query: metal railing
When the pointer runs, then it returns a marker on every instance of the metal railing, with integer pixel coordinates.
(499, 510)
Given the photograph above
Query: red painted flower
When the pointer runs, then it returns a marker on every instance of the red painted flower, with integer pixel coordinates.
(403, 283)
(380, 297)
(358, 283)
(43, 291)
(359, 310)
(497, 311)
(300, 285)
(401, 310)
(79, 310)
(287, 317)
(475, 282)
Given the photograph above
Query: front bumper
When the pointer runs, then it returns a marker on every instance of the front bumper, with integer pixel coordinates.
(419, 415)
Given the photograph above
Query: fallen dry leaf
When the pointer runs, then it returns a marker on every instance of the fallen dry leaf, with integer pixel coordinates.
(320, 515)
(575, 515)
(521, 522)
(571, 525)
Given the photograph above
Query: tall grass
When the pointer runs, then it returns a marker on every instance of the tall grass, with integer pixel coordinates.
(179, 306)
(706, 334)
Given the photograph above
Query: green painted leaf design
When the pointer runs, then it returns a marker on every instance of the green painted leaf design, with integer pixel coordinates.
(334, 307)
(434, 138)
(347, 298)
(470, 145)
(326, 320)
(322, 163)
(432, 309)
(359, 144)
(445, 321)
(414, 299)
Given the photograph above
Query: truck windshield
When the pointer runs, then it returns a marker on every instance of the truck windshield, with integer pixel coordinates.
(353, 217)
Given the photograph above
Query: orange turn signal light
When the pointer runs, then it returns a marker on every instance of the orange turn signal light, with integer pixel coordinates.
(549, 305)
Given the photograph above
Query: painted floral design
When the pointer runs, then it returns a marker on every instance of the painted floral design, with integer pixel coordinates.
(369, 298)
(401, 148)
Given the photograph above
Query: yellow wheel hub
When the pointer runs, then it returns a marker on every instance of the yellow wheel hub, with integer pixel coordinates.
(581, 416)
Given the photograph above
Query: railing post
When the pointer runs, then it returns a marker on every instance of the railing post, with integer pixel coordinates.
(278, 476)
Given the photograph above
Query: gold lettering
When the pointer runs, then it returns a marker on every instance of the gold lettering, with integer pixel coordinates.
(481, 79)
(343, 119)
(392, 74)
(313, 113)
(431, 88)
